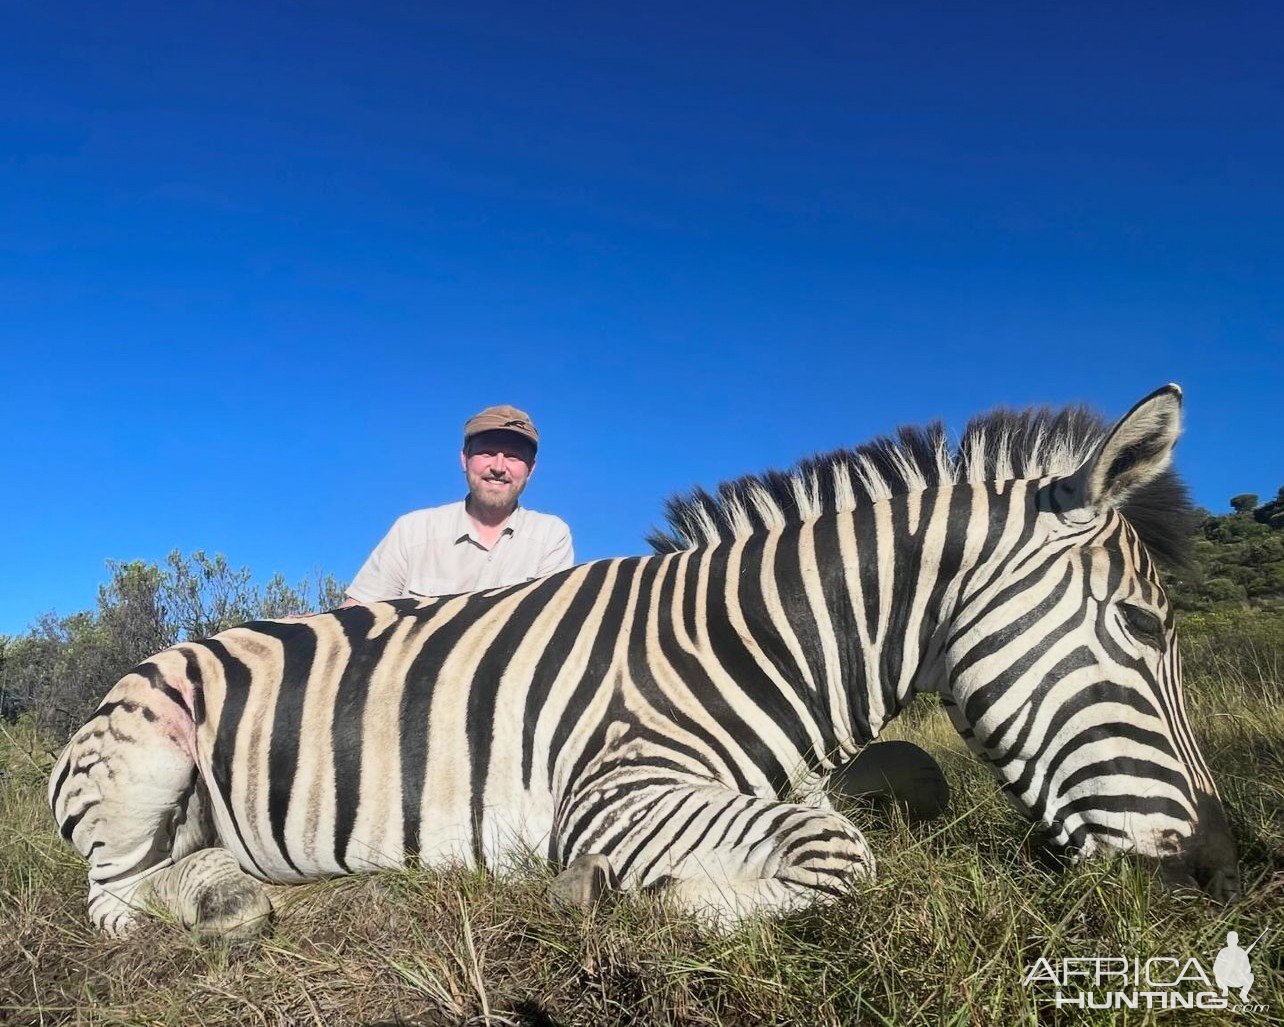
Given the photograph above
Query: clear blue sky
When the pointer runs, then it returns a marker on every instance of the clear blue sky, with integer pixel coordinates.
(259, 261)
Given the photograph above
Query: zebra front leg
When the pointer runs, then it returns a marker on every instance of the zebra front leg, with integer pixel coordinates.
(713, 851)
(583, 882)
(896, 770)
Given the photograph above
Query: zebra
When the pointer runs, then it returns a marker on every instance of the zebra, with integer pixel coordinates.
(667, 723)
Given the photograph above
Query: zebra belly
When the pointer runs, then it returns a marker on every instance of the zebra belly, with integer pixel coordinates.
(308, 835)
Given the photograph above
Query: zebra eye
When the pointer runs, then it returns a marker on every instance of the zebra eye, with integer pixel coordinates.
(1144, 625)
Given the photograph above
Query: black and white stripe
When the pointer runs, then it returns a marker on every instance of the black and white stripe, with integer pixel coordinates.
(666, 712)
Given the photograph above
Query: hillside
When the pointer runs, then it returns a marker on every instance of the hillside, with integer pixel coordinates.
(1238, 560)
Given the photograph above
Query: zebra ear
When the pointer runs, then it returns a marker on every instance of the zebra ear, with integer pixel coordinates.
(1138, 449)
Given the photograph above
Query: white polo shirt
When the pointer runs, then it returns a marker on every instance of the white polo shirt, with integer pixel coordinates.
(435, 552)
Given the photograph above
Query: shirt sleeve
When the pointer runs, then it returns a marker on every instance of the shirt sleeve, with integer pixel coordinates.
(560, 554)
(383, 575)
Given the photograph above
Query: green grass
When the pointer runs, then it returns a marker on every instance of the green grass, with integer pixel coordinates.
(960, 908)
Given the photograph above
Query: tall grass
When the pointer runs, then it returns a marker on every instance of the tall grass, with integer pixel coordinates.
(961, 907)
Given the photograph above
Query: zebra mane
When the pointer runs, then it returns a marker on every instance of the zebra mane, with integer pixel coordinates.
(999, 446)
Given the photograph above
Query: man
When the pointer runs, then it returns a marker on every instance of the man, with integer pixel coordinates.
(483, 541)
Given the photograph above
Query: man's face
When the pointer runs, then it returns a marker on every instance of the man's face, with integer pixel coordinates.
(497, 465)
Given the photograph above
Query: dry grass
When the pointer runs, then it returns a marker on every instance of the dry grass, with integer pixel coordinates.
(960, 908)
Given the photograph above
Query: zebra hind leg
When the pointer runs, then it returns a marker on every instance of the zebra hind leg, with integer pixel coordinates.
(717, 853)
(127, 796)
(210, 895)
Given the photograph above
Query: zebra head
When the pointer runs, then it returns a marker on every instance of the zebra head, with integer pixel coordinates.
(1064, 674)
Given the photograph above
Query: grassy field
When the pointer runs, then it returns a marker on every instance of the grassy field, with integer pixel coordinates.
(960, 909)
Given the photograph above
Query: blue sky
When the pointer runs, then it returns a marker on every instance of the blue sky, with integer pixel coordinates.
(258, 262)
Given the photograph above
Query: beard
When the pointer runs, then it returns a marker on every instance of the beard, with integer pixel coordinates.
(489, 497)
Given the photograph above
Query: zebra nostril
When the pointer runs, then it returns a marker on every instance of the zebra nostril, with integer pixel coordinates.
(1213, 854)
(1222, 884)
(1176, 874)
(1044, 849)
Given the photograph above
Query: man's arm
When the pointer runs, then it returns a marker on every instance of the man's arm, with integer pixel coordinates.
(560, 554)
(383, 575)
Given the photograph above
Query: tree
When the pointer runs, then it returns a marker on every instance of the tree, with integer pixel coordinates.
(203, 595)
(1272, 513)
(61, 668)
(320, 592)
(1244, 502)
(131, 611)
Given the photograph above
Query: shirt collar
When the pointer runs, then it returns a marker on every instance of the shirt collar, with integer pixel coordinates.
(464, 525)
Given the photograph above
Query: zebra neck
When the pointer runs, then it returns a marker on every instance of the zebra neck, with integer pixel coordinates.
(908, 564)
(852, 609)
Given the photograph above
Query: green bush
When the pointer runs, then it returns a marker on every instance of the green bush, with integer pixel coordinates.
(62, 666)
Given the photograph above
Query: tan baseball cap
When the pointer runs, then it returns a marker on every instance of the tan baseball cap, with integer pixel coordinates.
(502, 418)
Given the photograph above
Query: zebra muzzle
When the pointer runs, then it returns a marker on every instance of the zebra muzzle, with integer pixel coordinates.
(1209, 861)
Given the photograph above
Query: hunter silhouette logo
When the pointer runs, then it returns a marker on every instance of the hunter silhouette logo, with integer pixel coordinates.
(1232, 969)
(1153, 982)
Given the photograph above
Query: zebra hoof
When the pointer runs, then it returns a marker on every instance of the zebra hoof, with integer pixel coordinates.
(233, 915)
(209, 894)
(582, 883)
(897, 770)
